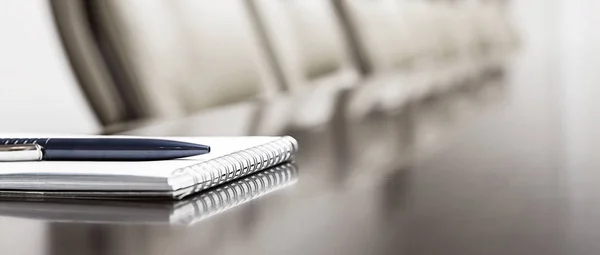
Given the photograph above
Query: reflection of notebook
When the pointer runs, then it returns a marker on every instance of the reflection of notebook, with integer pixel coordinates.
(185, 212)
(229, 159)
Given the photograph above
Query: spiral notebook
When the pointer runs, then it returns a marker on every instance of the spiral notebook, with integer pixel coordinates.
(189, 211)
(230, 158)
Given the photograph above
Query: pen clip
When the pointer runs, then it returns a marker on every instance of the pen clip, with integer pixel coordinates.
(20, 152)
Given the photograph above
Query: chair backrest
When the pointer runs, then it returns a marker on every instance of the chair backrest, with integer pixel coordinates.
(87, 62)
(421, 26)
(380, 33)
(498, 24)
(179, 57)
(307, 42)
(443, 25)
(456, 23)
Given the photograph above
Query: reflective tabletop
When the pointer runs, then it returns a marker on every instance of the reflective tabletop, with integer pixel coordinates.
(499, 167)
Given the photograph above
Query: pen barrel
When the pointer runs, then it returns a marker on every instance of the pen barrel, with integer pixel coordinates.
(133, 149)
(130, 149)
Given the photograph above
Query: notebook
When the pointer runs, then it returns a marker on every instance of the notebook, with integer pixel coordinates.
(229, 159)
(189, 211)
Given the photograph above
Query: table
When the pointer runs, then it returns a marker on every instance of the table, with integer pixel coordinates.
(484, 170)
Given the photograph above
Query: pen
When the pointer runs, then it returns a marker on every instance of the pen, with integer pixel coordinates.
(96, 149)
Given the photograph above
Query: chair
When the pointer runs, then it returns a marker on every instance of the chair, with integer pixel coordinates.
(500, 36)
(309, 47)
(85, 56)
(386, 53)
(431, 62)
(185, 59)
(463, 43)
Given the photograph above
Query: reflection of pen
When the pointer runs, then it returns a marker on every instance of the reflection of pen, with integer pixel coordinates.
(121, 149)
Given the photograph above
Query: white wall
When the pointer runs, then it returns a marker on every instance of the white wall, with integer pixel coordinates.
(38, 92)
(563, 36)
(580, 65)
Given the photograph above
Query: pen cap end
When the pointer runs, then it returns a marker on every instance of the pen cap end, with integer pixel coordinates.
(20, 152)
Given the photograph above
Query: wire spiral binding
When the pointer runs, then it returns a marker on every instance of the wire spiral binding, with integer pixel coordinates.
(230, 195)
(226, 168)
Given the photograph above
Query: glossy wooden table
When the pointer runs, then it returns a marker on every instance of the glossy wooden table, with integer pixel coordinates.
(478, 171)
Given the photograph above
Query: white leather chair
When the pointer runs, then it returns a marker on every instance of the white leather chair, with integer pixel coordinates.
(499, 30)
(431, 65)
(308, 45)
(462, 39)
(85, 56)
(187, 59)
(388, 53)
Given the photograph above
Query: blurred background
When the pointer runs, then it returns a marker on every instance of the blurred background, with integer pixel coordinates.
(245, 67)
(505, 86)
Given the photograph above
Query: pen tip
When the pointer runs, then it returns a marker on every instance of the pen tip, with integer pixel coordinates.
(179, 149)
(197, 149)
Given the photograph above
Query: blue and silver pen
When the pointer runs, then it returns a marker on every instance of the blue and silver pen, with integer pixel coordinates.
(96, 149)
